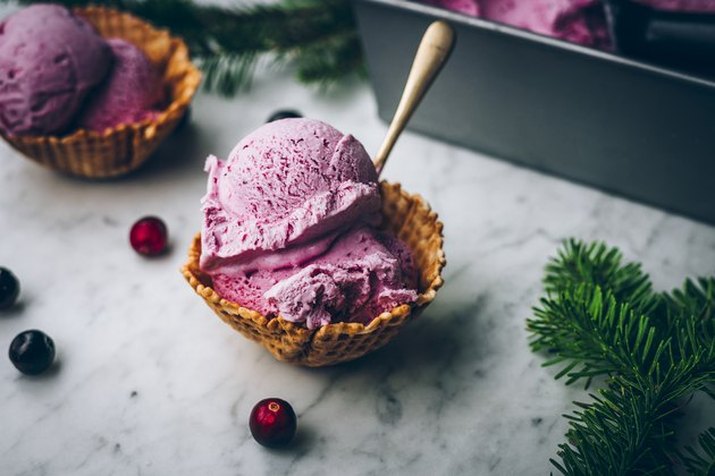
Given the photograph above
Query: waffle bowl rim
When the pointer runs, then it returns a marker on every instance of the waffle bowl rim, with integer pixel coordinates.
(395, 317)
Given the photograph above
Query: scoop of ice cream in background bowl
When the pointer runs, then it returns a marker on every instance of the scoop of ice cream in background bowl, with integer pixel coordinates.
(49, 62)
(303, 250)
(133, 92)
(90, 92)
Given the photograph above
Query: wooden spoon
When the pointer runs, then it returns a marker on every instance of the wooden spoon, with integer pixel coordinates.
(434, 49)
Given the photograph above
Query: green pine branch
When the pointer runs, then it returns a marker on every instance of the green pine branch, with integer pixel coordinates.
(601, 317)
(318, 37)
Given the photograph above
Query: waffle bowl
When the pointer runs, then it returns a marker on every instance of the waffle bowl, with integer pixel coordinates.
(406, 215)
(122, 149)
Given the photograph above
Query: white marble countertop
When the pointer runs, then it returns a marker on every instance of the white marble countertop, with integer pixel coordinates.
(150, 382)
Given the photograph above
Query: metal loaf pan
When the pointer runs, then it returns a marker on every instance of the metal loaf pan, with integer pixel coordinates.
(627, 127)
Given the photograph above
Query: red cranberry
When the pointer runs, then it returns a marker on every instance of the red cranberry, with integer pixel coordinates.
(149, 236)
(273, 422)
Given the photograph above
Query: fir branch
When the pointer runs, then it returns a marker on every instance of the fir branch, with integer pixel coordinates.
(602, 317)
(620, 433)
(329, 67)
(598, 265)
(318, 36)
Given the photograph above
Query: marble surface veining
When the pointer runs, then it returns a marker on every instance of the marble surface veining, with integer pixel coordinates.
(150, 382)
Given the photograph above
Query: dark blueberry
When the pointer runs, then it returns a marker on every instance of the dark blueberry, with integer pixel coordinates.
(273, 422)
(9, 288)
(32, 352)
(284, 114)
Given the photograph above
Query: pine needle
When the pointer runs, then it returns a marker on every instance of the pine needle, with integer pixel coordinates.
(601, 316)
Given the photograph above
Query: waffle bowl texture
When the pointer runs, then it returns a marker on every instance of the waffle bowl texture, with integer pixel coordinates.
(411, 219)
(119, 150)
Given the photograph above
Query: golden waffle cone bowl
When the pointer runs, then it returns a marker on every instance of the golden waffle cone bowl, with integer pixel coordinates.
(122, 149)
(411, 219)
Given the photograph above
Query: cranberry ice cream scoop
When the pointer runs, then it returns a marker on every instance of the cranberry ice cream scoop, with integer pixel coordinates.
(362, 274)
(287, 183)
(132, 91)
(49, 61)
(289, 228)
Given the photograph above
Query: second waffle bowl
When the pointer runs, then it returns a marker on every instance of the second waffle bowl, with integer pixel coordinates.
(122, 149)
(411, 219)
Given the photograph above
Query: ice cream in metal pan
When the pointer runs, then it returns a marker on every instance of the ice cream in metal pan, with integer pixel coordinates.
(677, 33)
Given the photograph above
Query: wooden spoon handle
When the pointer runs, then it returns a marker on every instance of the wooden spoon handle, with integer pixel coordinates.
(431, 55)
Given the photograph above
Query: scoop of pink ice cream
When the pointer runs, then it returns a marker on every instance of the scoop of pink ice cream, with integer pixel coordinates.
(363, 273)
(287, 183)
(131, 93)
(288, 228)
(49, 60)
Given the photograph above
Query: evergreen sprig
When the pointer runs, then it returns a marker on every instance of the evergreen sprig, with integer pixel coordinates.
(318, 37)
(601, 317)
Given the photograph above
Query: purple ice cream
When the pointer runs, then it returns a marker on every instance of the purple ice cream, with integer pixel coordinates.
(362, 274)
(290, 182)
(289, 228)
(131, 93)
(49, 61)
(577, 21)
